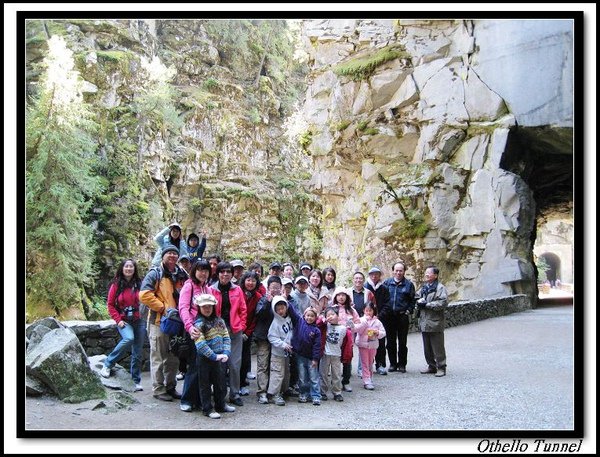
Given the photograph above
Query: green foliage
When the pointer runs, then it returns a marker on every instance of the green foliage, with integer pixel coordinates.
(305, 139)
(371, 131)
(339, 126)
(254, 116)
(60, 185)
(414, 226)
(210, 84)
(362, 67)
(362, 125)
(542, 267)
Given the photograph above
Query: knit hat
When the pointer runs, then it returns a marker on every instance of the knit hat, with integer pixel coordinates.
(341, 290)
(169, 248)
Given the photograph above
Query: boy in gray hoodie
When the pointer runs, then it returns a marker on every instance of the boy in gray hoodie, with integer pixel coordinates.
(280, 337)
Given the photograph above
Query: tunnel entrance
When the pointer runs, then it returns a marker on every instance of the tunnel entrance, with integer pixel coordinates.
(543, 158)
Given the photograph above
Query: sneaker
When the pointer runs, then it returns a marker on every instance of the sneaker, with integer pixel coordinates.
(180, 376)
(173, 393)
(138, 387)
(105, 372)
(186, 408)
(338, 397)
(369, 386)
(291, 392)
(324, 397)
(382, 371)
(302, 399)
(213, 415)
(316, 401)
(244, 391)
(164, 397)
(392, 368)
(440, 372)
(347, 388)
(278, 400)
(402, 369)
(237, 401)
(228, 409)
(262, 399)
(250, 376)
(429, 370)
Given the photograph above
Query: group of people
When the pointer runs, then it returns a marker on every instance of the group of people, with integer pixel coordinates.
(303, 327)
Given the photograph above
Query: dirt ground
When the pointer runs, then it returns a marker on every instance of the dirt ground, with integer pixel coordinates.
(509, 373)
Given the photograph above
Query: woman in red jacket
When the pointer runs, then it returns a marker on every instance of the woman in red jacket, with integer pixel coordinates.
(231, 307)
(124, 307)
(249, 282)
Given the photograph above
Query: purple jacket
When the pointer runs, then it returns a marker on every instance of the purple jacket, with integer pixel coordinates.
(306, 338)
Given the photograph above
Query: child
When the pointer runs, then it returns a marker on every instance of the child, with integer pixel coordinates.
(368, 332)
(306, 341)
(335, 334)
(213, 347)
(280, 336)
(342, 302)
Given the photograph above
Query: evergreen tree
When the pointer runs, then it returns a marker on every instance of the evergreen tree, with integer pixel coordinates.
(60, 184)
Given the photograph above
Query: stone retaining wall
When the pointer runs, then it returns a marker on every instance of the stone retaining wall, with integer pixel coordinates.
(100, 337)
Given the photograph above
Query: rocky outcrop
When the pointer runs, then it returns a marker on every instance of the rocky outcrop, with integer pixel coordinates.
(407, 143)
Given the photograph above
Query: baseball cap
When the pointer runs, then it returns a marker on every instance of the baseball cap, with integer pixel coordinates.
(285, 281)
(374, 270)
(300, 278)
(305, 265)
(275, 265)
(237, 263)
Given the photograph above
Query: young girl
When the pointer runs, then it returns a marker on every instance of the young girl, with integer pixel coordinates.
(342, 301)
(306, 342)
(213, 347)
(334, 336)
(170, 235)
(368, 333)
(123, 306)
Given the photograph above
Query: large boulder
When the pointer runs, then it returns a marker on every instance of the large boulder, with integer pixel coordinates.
(59, 361)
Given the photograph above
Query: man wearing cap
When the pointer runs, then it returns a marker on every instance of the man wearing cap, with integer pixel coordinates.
(238, 270)
(169, 235)
(185, 264)
(274, 270)
(382, 300)
(160, 291)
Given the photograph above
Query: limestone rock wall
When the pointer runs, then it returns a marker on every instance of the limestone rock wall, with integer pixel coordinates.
(407, 135)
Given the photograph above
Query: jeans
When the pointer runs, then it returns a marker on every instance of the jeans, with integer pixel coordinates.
(191, 390)
(132, 337)
(308, 378)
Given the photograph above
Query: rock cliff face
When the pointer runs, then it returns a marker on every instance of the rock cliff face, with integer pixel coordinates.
(400, 157)
(407, 140)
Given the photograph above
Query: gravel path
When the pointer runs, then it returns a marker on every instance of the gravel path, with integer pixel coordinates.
(508, 373)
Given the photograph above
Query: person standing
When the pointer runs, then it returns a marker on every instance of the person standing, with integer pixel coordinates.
(397, 320)
(382, 300)
(213, 347)
(159, 292)
(361, 297)
(432, 302)
(264, 318)
(280, 337)
(231, 307)
(124, 307)
(249, 283)
(188, 311)
(368, 331)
